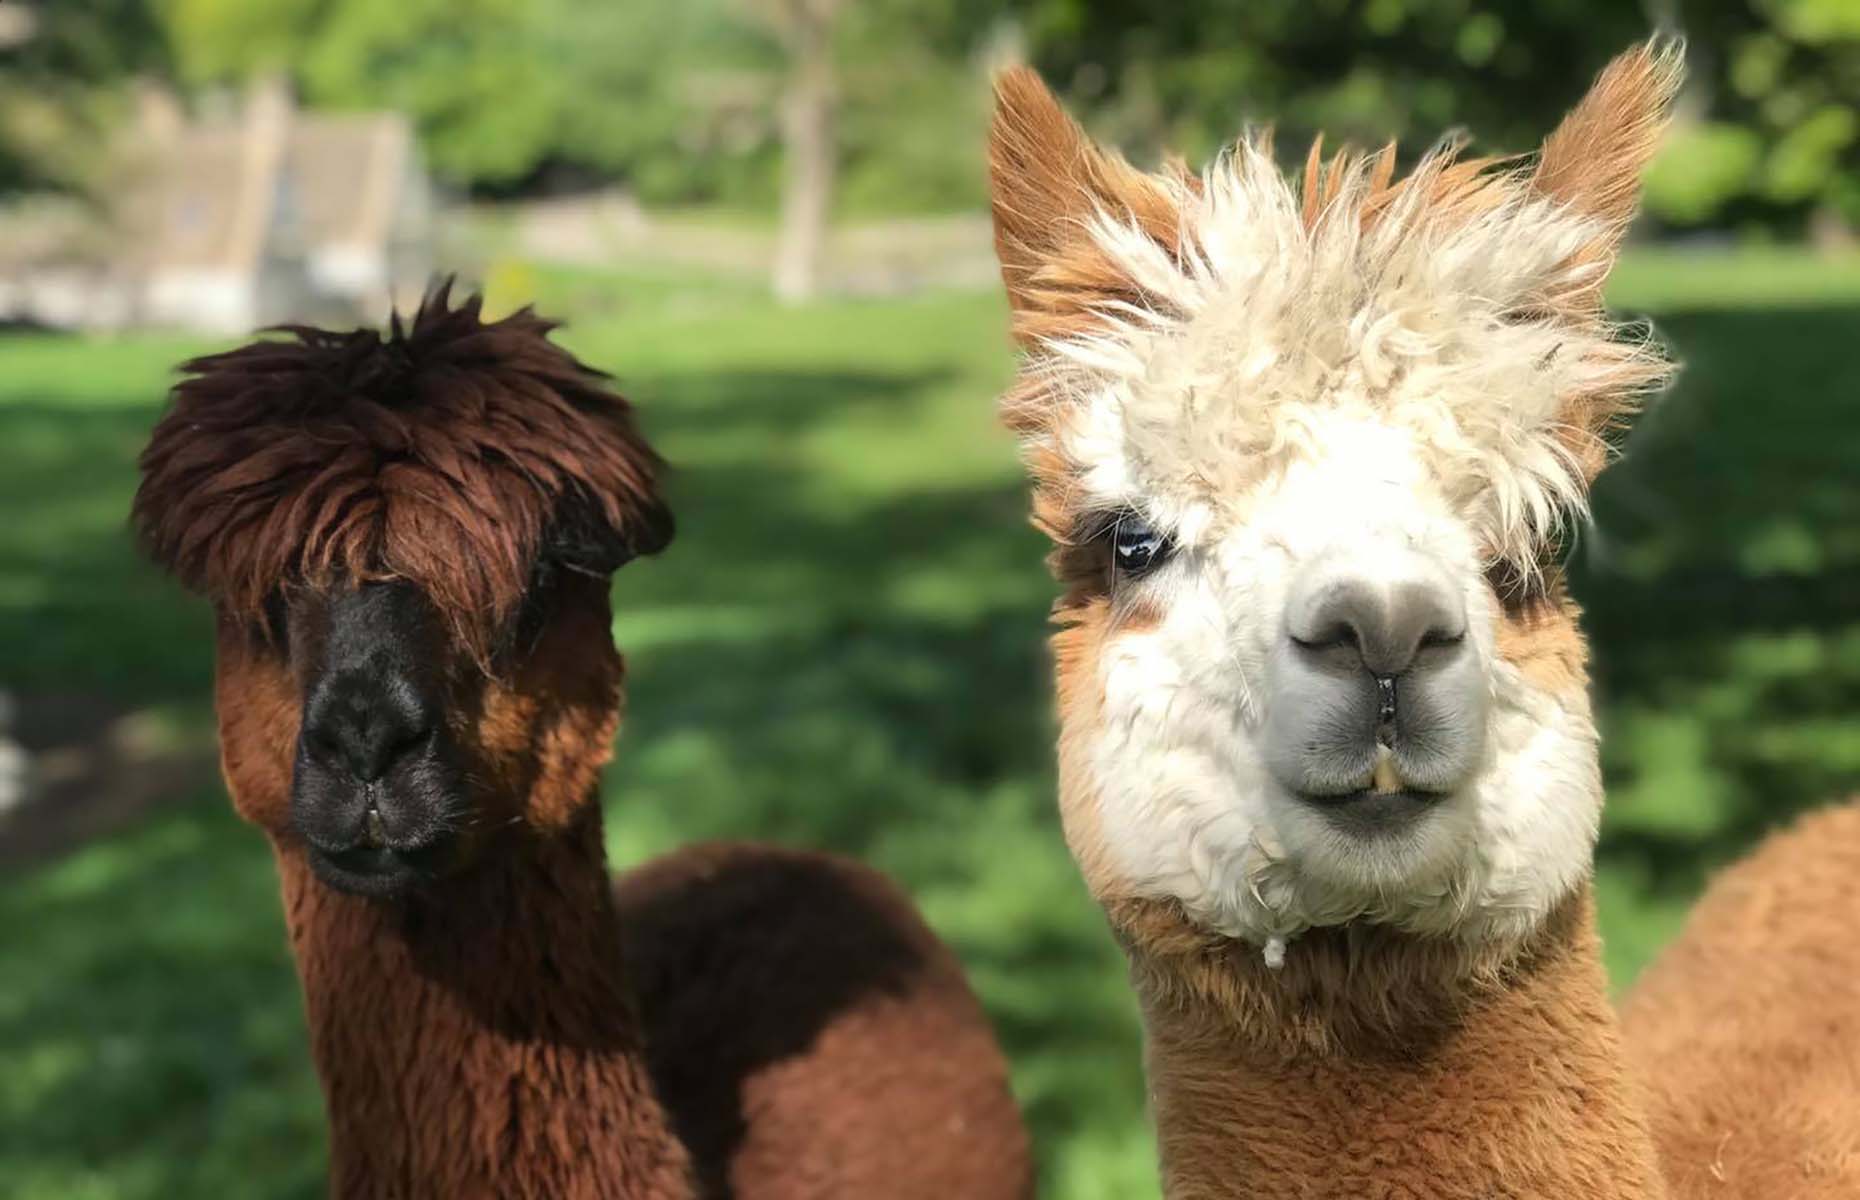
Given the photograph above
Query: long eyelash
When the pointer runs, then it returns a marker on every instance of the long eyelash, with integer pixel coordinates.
(1094, 525)
(274, 622)
(1116, 531)
(1516, 589)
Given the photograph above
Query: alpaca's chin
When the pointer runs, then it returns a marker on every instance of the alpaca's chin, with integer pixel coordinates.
(1379, 843)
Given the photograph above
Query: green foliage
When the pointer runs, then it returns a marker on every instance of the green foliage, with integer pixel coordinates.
(665, 96)
(1807, 156)
(1785, 74)
(60, 89)
(1817, 22)
(1769, 132)
(1701, 169)
(89, 41)
(217, 40)
(675, 99)
(1361, 70)
(910, 125)
(844, 648)
(464, 69)
(679, 100)
(469, 72)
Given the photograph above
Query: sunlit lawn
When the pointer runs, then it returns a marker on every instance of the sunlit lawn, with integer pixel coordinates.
(844, 648)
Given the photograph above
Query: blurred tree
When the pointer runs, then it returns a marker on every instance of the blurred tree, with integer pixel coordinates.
(810, 150)
(1771, 129)
(61, 67)
(508, 94)
(668, 97)
(469, 72)
(684, 101)
(1777, 142)
(1188, 76)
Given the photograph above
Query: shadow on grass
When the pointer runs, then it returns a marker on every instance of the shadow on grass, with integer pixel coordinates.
(79, 609)
(150, 1021)
(869, 676)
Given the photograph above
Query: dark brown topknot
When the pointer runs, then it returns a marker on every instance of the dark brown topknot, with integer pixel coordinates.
(451, 453)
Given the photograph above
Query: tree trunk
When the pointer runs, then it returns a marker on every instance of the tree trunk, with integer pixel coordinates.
(808, 148)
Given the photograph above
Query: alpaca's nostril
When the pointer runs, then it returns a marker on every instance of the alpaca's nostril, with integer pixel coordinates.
(321, 742)
(372, 752)
(1337, 637)
(364, 727)
(1380, 625)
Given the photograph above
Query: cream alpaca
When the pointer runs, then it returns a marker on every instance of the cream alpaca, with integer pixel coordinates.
(1284, 378)
(1327, 756)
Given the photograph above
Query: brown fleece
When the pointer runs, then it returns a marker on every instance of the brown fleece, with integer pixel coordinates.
(811, 1036)
(1749, 1025)
(1377, 1066)
(1047, 180)
(499, 1033)
(782, 1025)
(481, 1039)
(439, 454)
(1594, 159)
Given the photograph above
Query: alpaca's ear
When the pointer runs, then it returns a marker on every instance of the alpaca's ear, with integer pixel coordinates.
(1047, 183)
(1593, 161)
(582, 539)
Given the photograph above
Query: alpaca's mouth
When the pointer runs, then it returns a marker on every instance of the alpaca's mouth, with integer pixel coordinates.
(382, 871)
(1371, 812)
(1385, 804)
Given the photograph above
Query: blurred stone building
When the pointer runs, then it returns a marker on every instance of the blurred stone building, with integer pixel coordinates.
(244, 215)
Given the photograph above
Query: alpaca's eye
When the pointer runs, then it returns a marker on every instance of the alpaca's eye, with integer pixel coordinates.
(275, 622)
(1137, 547)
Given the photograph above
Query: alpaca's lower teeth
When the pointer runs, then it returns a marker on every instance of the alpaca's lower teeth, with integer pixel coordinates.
(1386, 779)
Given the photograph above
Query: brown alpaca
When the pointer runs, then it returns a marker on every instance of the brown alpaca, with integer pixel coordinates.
(408, 542)
(1748, 1026)
(1326, 756)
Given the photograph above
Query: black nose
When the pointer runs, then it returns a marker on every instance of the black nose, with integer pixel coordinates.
(363, 726)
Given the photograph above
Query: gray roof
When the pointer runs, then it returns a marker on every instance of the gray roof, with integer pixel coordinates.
(219, 195)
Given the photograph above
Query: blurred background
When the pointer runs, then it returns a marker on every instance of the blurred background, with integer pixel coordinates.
(766, 216)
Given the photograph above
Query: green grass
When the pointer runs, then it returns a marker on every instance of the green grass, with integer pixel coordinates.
(844, 648)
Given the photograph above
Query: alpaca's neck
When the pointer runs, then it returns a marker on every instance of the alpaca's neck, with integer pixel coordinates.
(1363, 1069)
(480, 1040)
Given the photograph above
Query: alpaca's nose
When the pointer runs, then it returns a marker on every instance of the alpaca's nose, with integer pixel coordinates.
(1381, 624)
(1375, 686)
(379, 787)
(363, 723)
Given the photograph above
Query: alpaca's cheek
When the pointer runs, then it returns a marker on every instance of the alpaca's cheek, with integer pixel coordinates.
(1538, 803)
(1176, 784)
(261, 793)
(256, 701)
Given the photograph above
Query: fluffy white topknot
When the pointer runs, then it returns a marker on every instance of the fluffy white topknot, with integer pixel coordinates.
(1449, 319)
